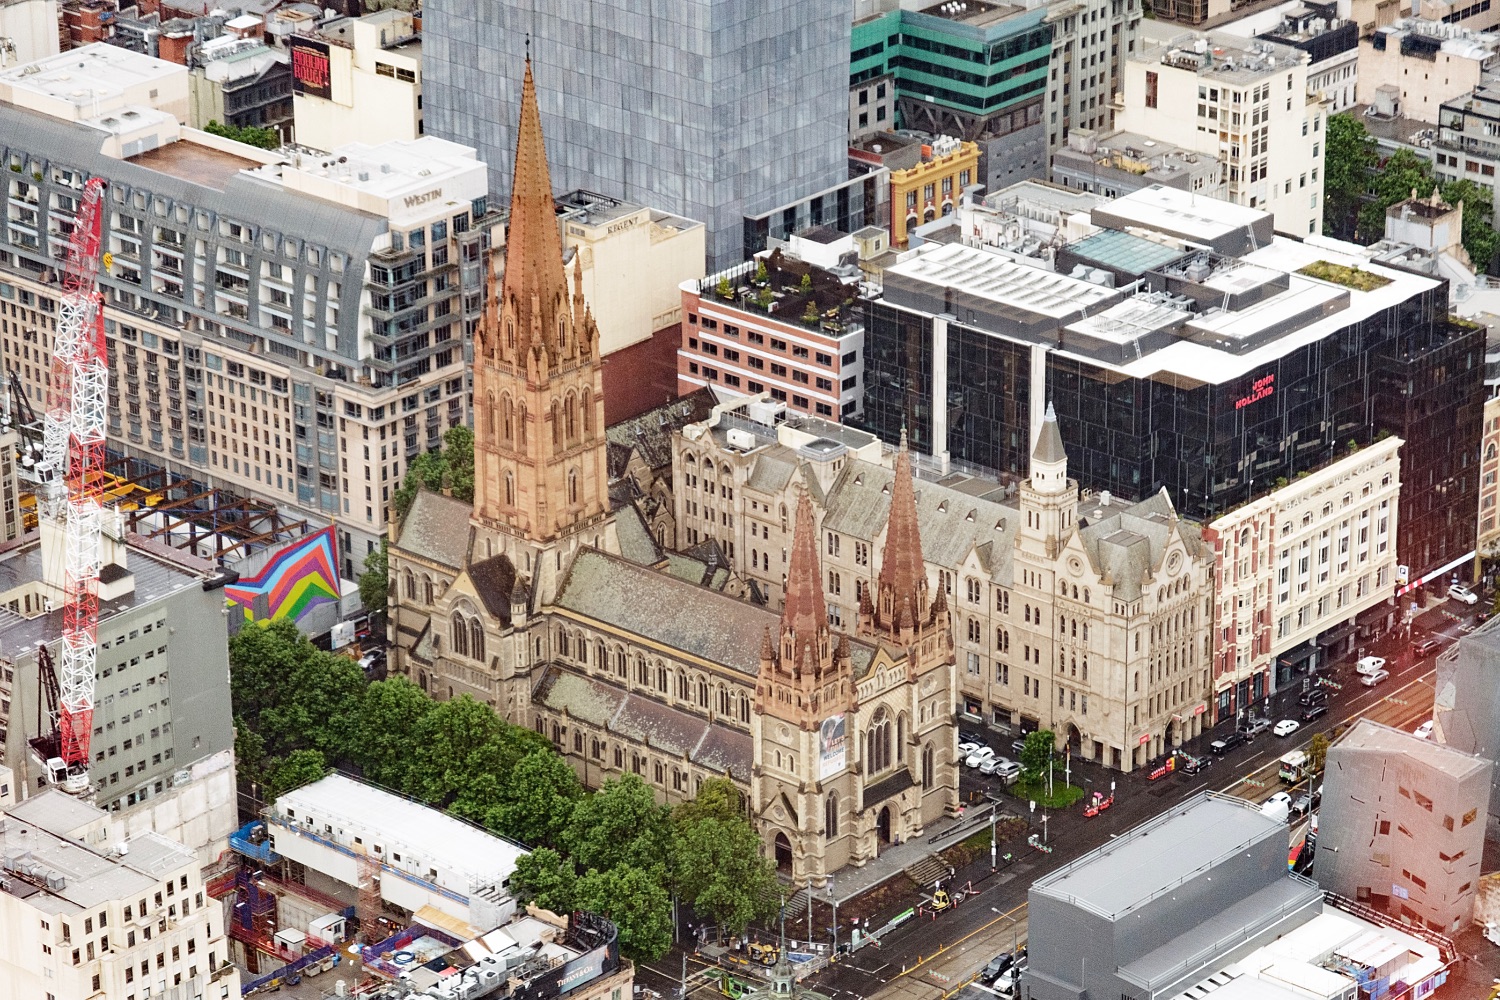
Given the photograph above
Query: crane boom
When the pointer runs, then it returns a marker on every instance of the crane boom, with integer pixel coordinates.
(73, 450)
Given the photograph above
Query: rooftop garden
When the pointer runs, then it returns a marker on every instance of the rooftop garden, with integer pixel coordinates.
(1340, 274)
(789, 289)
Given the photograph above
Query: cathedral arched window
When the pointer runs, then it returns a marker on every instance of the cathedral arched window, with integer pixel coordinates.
(726, 707)
(831, 815)
(411, 585)
(476, 639)
(562, 329)
(521, 426)
(641, 674)
(572, 486)
(588, 413)
(510, 334)
(620, 662)
(489, 417)
(744, 708)
(460, 632)
(507, 419)
(661, 678)
(426, 589)
(927, 766)
(556, 423)
(682, 685)
(880, 742)
(901, 737)
(570, 422)
(510, 489)
(702, 692)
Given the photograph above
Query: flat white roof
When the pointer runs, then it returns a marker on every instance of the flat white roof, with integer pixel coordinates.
(97, 70)
(1137, 316)
(1003, 280)
(428, 833)
(1208, 364)
(391, 169)
(1197, 218)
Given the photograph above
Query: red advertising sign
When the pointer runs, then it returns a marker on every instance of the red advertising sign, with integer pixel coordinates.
(311, 67)
(1201, 709)
(1145, 738)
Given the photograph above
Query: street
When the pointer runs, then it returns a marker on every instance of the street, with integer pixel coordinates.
(932, 957)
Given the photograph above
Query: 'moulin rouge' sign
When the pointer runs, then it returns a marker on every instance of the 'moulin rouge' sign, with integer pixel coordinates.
(311, 70)
(1263, 387)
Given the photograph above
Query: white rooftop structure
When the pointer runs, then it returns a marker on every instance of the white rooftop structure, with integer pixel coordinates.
(405, 835)
(402, 180)
(1195, 218)
(999, 279)
(89, 81)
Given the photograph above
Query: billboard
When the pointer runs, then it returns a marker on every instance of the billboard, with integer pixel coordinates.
(832, 746)
(312, 69)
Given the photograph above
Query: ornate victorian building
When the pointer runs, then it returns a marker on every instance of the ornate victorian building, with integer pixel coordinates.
(1075, 613)
(538, 602)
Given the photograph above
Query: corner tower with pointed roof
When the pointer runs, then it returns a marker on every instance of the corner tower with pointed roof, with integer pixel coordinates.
(539, 447)
(1049, 499)
(903, 611)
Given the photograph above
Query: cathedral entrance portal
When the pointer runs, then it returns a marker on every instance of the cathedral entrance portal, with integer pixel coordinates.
(783, 852)
(883, 825)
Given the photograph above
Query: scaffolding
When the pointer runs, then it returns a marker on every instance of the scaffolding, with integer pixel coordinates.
(368, 907)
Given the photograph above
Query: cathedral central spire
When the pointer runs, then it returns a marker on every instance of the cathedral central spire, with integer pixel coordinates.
(902, 569)
(805, 611)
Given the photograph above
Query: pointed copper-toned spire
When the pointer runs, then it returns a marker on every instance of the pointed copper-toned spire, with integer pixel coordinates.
(901, 567)
(805, 611)
(533, 265)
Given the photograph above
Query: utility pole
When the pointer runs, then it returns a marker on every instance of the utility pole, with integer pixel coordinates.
(809, 911)
(682, 990)
(994, 863)
(834, 899)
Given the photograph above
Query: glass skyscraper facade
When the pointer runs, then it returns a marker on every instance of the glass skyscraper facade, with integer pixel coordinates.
(715, 110)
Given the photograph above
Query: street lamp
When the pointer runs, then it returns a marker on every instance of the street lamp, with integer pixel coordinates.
(1014, 930)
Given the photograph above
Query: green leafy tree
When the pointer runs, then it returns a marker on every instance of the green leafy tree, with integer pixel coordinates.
(298, 768)
(725, 290)
(249, 755)
(260, 659)
(546, 879)
(536, 799)
(719, 868)
(292, 694)
(620, 824)
(250, 135)
(1036, 754)
(1348, 157)
(375, 580)
(1317, 753)
(717, 798)
(1479, 236)
(637, 903)
(810, 314)
(1403, 173)
(453, 465)
(806, 283)
(384, 746)
(459, 740)
(760, 272)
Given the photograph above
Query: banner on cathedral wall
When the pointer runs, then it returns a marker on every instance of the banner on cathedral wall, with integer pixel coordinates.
(833, 755)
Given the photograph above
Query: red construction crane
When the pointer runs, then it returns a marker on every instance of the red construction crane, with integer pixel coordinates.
(73, 451)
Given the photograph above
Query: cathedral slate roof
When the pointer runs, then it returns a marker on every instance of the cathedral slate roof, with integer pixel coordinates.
(650, 434)
(494, 578)
(437, 528)
(678, 733)
(951, 522)
(636, 543)
(643, 602)
(1126, 543)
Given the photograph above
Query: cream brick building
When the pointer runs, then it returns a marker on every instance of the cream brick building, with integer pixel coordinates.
(1246, 102)
(1296, 567)
(89, 914)
(358, 79)
(1489, 480)
(1077, 614)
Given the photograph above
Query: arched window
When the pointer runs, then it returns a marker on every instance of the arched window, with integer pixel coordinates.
(570, 406)
(507, 420)
(927, 766)
(426, 589)
(682, 685)
(557, 423)
(880, 742)
(588, 413)
(831, 815)
(510, 489)
(510, 334)
(489, 417)
(661, 678)
(642, 676)
(901, 737)
(460, 632)
(411, 585)
(726, 707)
(702, 692)
(521, 426)
(620, 662)
(476, 639)
(572, 486)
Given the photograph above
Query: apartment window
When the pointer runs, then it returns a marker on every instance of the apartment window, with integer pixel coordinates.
(1151, 89)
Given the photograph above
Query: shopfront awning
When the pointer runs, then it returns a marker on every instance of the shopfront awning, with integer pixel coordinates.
(1299, 654)
(1336, 635)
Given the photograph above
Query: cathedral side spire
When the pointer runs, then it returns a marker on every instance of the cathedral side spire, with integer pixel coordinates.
(805, 611)
(903, 573)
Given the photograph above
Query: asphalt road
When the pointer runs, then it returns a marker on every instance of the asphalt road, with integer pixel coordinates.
(929, 958)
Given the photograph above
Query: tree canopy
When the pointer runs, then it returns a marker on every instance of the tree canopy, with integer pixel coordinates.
(453, 465)
(250, 135)
(374, 582)
(1036, 754)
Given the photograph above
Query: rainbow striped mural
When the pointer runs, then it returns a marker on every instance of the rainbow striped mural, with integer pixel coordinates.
(301, 577)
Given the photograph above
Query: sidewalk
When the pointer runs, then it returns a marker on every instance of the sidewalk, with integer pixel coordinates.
(896, 858)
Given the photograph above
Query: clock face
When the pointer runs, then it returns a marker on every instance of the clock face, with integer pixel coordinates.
(1174, 562)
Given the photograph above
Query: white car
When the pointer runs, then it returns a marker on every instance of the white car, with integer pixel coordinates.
(980, 756)
(1278, 806)
(966, 748)
(1458, 592)
(1286, 727)
(1370, 680)
(1424, 731)
(1370, 664)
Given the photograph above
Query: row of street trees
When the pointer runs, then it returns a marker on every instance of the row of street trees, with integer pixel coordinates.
(300, 710)
(1358, 187)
